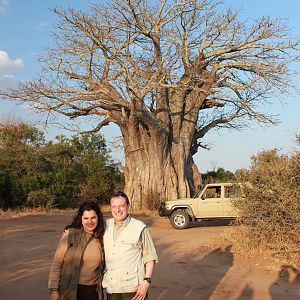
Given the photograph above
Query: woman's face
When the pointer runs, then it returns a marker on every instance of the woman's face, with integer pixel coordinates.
(89, 220)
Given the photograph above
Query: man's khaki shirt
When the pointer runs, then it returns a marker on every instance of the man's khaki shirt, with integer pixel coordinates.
(145, 241)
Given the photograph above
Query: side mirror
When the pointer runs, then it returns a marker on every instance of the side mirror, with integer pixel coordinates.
(203, 196)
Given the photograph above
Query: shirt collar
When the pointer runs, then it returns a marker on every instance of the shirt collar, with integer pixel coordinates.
(123, 223)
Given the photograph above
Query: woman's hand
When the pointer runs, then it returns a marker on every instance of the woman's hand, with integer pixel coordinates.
(66, 232)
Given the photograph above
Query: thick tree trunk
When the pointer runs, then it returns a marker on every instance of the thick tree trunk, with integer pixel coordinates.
(155, 169)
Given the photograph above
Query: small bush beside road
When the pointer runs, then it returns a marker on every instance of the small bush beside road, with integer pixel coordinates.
(270, 211)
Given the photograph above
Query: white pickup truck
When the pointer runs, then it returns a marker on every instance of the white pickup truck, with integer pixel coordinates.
(214, 201)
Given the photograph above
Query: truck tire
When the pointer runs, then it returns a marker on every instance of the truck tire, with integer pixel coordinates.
(180, 219)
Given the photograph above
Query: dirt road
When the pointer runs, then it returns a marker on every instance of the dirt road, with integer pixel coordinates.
(192, 265)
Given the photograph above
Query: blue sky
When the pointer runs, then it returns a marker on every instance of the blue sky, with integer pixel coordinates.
(25, 30)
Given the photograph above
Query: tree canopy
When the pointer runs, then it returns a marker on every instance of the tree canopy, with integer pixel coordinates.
(166, 72)
(54, 174)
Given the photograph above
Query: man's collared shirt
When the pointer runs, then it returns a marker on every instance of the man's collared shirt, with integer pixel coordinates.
(145, 241)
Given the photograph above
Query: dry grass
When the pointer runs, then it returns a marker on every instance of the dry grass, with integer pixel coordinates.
(143, 212)
(242, 244)
(18, 212)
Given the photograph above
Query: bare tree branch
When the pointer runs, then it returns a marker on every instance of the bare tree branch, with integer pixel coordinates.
(182, 67)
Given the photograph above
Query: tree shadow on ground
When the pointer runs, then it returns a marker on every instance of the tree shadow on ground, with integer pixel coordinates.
(195, 276)
(287, 285)
(247, 293)
(212, 222)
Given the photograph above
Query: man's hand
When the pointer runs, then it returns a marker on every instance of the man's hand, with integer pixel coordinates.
(54, 295)
(141, 291)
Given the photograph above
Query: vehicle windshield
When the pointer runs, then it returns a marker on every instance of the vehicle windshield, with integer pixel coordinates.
(197, 194)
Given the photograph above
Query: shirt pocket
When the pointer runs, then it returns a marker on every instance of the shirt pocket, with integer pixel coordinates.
(130, 279)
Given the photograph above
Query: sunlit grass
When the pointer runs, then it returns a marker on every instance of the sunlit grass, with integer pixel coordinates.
(24, 211)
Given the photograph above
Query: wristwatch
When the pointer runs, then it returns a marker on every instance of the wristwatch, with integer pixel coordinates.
(148, 279)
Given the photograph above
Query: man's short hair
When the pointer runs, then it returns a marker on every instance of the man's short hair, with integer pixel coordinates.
(120, 194)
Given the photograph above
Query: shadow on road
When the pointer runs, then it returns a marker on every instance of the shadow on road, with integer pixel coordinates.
(247, 293)
(287, 285)
(195, 277)
(213, 222)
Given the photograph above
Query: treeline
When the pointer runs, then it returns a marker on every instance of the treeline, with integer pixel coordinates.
(58, 173)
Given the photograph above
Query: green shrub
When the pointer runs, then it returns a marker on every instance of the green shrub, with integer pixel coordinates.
(221, 175)
(41, 198)
(61, 173)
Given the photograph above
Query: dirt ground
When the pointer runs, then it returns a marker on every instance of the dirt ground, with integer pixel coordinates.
(192, 265)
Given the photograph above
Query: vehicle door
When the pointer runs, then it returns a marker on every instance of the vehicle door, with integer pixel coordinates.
(210, 204)
(231, 193)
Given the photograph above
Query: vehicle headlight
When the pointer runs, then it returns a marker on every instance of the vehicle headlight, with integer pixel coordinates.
(168, 205)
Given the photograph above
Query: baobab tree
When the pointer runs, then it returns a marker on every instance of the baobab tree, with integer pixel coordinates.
(165, 73)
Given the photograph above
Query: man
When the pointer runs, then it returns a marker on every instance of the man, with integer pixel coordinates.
(130, 255)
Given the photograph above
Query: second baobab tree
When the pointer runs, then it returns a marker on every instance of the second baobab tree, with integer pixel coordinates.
(165, 73)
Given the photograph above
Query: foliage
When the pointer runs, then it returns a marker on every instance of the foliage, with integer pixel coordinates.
(221, 175)
(271, 208)
(41, 198)
(62, 173)
(4, 188)
(19, 156)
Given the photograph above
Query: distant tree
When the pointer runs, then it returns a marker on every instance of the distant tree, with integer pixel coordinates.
(81, 169)
(63, 173)
(221, 175)
(165, 73)
(100, 174)
(19, 161)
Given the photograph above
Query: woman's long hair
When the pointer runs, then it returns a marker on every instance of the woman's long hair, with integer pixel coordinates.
(87, 206)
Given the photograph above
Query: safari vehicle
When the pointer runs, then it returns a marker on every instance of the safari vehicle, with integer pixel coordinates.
(214, 201)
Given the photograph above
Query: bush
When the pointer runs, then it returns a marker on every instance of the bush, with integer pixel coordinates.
(41, 198)
(271, 208)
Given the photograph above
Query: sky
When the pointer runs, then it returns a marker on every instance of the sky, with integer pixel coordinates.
(25, 31)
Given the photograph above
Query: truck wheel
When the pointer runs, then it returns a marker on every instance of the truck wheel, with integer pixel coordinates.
(180, 219)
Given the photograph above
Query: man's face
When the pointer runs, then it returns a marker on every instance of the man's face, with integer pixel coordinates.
(119, 208)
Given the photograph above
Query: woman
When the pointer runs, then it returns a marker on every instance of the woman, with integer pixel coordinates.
(76, 271)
